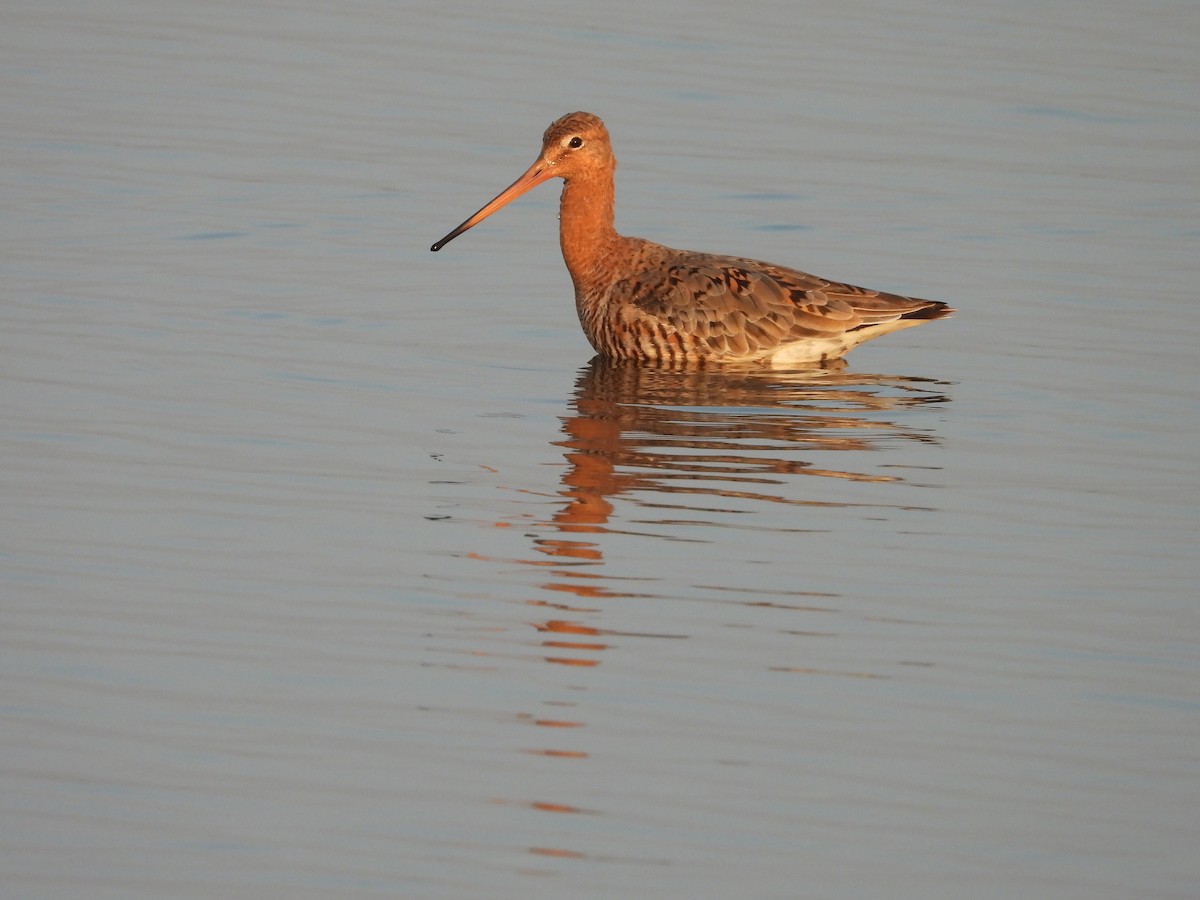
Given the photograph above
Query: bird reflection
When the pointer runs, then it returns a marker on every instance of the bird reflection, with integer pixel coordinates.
(689, 444)
(694, 446)
(682, 438)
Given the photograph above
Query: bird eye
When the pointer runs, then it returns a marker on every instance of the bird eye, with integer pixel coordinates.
(575, 143)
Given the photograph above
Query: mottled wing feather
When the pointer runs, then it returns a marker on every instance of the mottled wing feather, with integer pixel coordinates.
(726, 310)
(814, 293)
(701, 305)
(743, 307)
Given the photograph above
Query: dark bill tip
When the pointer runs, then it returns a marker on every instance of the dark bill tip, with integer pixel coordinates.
(438, 245)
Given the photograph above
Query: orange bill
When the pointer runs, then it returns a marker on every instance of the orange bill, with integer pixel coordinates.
(537, 173)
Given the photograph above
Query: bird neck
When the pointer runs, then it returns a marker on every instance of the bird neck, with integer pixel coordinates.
(585, 227)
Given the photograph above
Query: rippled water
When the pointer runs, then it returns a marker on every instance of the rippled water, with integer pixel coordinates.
(333, 567)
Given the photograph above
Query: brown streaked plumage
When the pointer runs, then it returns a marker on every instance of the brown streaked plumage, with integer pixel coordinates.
(642, 301)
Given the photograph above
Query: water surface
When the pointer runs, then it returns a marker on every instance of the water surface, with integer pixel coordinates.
(333, 567)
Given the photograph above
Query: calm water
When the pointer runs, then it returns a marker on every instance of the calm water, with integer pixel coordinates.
(333, 567)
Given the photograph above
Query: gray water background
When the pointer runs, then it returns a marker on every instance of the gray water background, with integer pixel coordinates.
(333, 567)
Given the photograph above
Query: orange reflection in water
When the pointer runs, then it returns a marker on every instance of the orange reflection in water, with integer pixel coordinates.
(572, 661)
(563, 627)
(557, 851)
(699, 444)
(555, 807)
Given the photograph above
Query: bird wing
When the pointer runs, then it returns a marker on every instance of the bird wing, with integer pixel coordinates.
(742, 307)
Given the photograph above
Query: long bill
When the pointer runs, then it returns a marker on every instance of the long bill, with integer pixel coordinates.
(537, 173)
